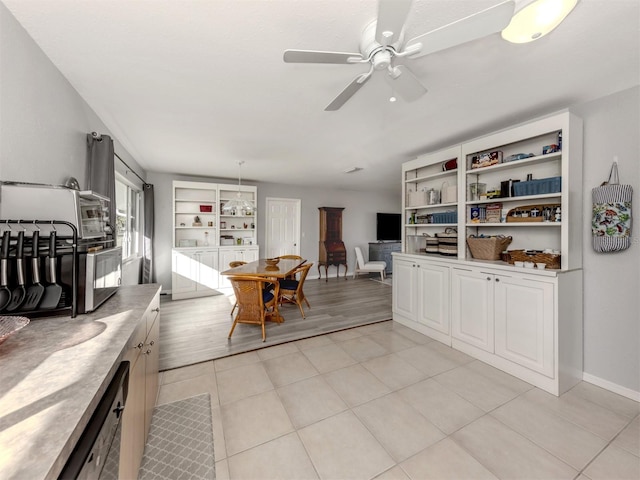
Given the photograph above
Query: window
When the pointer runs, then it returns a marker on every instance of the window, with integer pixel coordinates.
(127, 218)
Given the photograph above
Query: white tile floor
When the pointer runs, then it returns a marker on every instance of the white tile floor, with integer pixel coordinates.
(385, 402)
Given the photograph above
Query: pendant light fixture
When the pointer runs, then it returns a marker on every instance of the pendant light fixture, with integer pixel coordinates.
(535, 18)
(238, 205)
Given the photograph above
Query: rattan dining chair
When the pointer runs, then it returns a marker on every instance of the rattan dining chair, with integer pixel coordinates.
(291, 290)
(235, 264)
(255, 304)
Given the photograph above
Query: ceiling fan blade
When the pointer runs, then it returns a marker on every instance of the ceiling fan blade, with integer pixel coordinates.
(475, 26)
(348, 92)
(313, 56)
(406, 83)
(391, 17)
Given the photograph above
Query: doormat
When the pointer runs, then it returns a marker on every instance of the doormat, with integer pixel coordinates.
(180, 443)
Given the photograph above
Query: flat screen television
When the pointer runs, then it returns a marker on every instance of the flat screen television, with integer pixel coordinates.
(388, 227)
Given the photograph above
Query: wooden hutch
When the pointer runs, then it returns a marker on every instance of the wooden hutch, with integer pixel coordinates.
(332, 249)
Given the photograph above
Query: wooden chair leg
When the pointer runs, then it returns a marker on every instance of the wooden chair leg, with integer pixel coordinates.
(234, 307)
(235, 322)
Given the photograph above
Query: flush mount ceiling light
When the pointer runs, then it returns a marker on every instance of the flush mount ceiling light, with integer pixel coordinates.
(353, 169)
(535, 18)
(238, 205)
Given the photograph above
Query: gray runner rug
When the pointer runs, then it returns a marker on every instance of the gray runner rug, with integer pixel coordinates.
(180, 444)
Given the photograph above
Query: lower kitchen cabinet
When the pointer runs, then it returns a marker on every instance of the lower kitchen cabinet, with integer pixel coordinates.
(235, 254)
(524, 320)
(510, 316)
(421, 297)
(142, 352)
(472, 308)
(528, 324)
(194, 273)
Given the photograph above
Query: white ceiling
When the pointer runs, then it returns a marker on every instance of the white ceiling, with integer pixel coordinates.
(194, 86)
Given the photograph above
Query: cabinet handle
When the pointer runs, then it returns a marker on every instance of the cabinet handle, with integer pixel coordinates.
(156, 309)
(488, 279)
(148, 352)
(140, 345)
(152, 342)
(497, 279)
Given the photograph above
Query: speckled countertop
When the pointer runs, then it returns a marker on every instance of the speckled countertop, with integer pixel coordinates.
(53, 373)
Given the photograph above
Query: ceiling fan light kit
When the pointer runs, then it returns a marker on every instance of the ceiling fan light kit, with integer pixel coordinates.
(382, 46)
(536, 18)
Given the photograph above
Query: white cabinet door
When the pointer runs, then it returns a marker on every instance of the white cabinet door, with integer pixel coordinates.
(472, 308)
(207, 264)
(524, 322)
(184, 273)
(250, 254)
(433, 296)
(404, 289)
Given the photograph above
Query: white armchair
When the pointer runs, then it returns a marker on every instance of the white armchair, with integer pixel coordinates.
(368, 267)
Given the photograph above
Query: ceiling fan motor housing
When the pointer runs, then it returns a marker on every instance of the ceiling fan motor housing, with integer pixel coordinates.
(379, 56)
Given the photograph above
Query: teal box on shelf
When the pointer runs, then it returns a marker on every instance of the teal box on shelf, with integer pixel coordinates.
(538, 187)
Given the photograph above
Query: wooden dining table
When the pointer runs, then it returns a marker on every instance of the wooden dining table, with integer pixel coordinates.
(259, 268)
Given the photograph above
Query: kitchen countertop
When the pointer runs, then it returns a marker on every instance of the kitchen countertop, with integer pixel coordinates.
(53, 373)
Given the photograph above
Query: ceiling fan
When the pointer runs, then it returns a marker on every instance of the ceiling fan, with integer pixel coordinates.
(382, 46)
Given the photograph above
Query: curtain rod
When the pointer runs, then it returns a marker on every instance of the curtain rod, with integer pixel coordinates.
(132, 170)
(98, 137)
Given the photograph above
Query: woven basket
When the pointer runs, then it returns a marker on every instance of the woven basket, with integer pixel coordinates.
(487, 248)
(551, 260)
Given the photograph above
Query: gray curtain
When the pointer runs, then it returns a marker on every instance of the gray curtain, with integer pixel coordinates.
(148, 270)
(102, 173)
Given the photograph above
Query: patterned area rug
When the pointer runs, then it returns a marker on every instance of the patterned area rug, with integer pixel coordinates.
(180, 444)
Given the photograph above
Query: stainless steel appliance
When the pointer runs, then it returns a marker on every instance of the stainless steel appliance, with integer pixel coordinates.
(86, 210)
(99, 276)
(98, 260)
(97, 453)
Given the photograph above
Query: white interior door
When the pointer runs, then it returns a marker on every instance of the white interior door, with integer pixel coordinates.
(283, 227)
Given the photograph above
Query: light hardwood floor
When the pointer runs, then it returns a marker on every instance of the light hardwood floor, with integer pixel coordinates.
(195, 330)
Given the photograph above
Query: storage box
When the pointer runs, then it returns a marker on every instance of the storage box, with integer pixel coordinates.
(416, 199)
(449, 193)
(486, 159)
(487, 248)
(445, 217)
(538, 187)
(205, 208)
(551, 260)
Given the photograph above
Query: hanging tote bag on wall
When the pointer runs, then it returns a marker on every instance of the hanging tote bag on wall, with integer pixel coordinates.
(611, 223)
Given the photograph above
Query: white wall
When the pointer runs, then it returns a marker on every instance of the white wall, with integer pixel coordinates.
(612, 280)
(358, 218)
(43, 124)
(43, 120)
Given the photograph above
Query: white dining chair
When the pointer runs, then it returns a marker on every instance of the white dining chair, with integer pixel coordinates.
(376, 266)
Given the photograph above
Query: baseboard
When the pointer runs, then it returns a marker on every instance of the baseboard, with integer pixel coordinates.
(612, 387)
